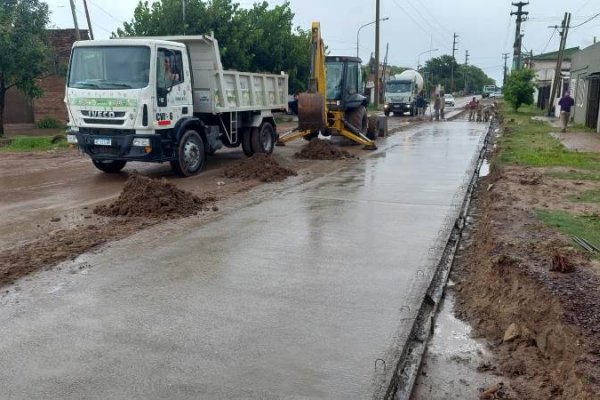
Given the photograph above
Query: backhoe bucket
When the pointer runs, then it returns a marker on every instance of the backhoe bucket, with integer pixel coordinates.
(311, 112)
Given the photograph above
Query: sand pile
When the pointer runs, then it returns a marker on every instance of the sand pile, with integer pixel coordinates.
(145, 197)
(318, 149)
(260, 166)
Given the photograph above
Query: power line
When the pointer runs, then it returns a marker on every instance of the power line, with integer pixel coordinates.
(551, 36)
(441, 44)
(586, 21)
(447, 31)
(120, 21)
(435, 28)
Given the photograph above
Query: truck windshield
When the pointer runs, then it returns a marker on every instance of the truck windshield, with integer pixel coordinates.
(397, 87)
(109, 67)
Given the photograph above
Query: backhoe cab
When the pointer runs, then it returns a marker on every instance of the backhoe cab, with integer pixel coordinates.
(333, 104)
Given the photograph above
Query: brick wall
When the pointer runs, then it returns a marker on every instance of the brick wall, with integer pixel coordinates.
(51, 104)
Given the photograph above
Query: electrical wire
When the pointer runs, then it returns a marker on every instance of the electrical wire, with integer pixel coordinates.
(419, 25)
(586, 21)
(551, 36)
(435, 27)
(120, 21)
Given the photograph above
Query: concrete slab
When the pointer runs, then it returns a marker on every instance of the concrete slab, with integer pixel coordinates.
(294, 295)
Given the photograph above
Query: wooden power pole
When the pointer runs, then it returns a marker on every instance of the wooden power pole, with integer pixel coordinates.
(377, 86)
(559, 59)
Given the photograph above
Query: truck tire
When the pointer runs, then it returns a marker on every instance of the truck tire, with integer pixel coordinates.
(387, 113)
(312, 135)
(191, 155)
(263, 138)
(247, 142)
(412, 111)
(358, 118)
(109, 166)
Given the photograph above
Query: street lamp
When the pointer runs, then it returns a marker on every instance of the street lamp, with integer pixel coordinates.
(420, 54)
(362, 26)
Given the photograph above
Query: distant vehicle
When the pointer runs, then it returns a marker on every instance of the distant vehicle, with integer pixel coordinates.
(449, 100)
(488, 90)
(496, 95)
(401, 93)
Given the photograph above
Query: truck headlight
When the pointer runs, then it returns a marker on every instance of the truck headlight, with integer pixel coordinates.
(385, 107)
(72, 139)
(141, 142)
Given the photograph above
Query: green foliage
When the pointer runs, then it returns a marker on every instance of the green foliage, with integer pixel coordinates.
(396, 69)
(23, 49)
(575, 175)
(50, 123)
(527, 142)
(33, 143)
(519, 88)
(257, 39)
(589, 196)
(584, 226)
(438, 70)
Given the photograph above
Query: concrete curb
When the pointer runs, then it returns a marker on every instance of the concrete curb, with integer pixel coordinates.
(407, 369)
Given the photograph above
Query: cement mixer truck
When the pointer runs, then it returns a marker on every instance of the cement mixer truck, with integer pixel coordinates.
(401, 92)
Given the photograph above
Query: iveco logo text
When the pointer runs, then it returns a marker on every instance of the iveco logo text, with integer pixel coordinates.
(101, 114)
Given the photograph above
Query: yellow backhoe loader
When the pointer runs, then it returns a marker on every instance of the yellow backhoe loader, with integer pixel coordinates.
(333, 104)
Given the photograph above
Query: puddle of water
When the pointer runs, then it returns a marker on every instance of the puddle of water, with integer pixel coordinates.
(449, 368)
(485, 168)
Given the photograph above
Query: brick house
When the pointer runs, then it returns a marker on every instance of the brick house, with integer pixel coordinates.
(21, 110)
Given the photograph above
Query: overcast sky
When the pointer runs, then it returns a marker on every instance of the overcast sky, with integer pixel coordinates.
(485, 27)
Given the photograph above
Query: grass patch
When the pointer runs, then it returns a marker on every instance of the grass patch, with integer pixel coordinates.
(575, 176)
(587, 227)
(34, 143)
(580, 128)
(527, 142)
(589, 196)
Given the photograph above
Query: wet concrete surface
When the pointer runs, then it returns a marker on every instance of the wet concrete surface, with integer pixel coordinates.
(293, 293)
(451, 361)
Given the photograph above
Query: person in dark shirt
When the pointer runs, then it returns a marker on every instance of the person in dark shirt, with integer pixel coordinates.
(565, 103)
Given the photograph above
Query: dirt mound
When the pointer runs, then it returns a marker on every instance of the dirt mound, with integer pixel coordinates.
(145, 197)
(260, 166)
(318, 149)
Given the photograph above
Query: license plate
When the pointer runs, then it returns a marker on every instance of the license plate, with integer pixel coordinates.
(102, 141)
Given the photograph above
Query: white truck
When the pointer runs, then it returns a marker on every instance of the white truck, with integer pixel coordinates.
(401, 93)
(166, 99)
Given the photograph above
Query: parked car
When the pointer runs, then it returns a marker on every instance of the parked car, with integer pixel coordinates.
(449, 100)
(496, 95)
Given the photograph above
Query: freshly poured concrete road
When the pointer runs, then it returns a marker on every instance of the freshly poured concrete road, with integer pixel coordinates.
(294, 295)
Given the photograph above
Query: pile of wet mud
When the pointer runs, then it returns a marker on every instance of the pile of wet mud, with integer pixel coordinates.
(318, 149)
(152, 198)
(260, 166)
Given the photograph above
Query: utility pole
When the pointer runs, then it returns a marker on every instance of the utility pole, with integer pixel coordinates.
(385, 59)
(561, 53)
(518, 37)
(465, 71)
(505, 56)
(77, 35)
(454, 48)
(87, 16)
(377, 53)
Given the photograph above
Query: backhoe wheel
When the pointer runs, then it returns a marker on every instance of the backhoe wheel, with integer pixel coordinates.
(109, 166)
(263, 138)
(247, 142)
(191, 155)
(359, 119)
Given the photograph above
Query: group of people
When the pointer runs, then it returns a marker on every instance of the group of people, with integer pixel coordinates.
(438, 106)
(481, 113)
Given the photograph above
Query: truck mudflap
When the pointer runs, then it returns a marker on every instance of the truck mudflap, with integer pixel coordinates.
(122, 147)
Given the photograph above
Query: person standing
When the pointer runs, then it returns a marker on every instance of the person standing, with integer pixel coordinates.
(472, 109)
(436, 107)
(421, 104)
(442, 105)
(565, 103)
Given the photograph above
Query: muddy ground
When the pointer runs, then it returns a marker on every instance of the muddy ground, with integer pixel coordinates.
(526, 289)
(56, 205)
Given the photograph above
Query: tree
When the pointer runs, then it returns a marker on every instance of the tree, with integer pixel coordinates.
(258, 39)
(519, 88)
(438, 70)
(23, 49)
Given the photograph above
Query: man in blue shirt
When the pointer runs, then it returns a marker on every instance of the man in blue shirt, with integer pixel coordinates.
(565, 103)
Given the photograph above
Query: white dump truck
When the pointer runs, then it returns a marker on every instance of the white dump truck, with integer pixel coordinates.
(166, 99)
(401, 93)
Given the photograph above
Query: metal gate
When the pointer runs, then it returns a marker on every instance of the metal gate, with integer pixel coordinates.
(593, 101)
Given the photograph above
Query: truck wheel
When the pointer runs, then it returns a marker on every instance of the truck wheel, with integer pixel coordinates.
(263, 139)
(247, 142)
(358, 118)
(191, 155)
(412, 111)
(109, 166)
(387, 113)
(311, 136)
